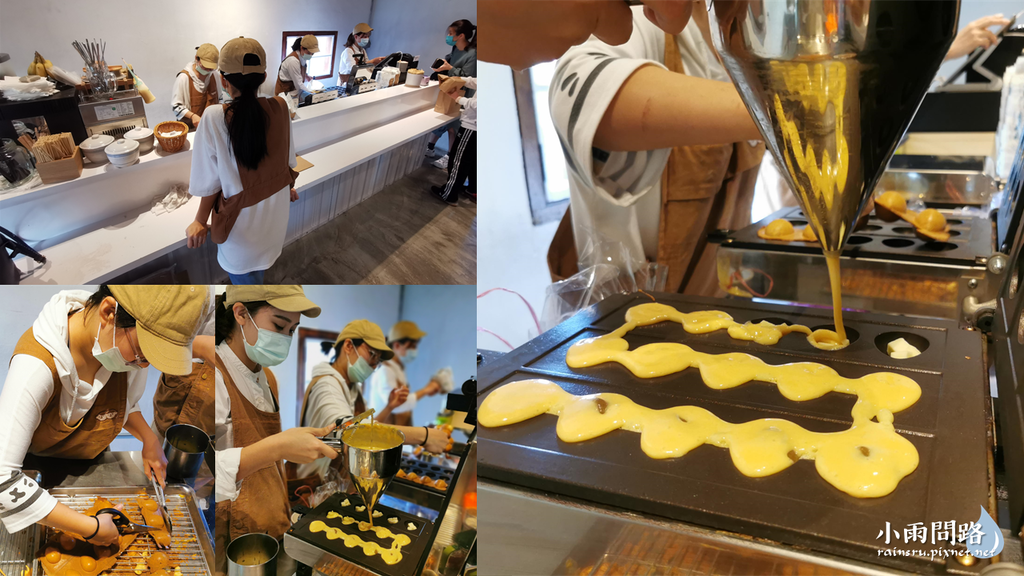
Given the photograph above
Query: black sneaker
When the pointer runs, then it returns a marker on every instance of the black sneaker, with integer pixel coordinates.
(438, 193)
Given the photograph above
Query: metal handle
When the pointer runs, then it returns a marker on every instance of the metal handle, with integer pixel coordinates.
(120, 520)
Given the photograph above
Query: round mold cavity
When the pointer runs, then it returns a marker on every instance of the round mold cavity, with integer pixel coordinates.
(870, 228)
(435, 468)
(903, 230)
(898, 242)
(856, 240)
(799, 214)
(954, 222)
(915, 340)
(936, 246)
(851, 334)
(796, 223)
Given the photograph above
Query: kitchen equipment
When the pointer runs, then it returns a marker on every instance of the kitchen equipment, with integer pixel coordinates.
(114, 115)
(171, 135)
(374, 457)
(94, 147)
(184, 446)
(125, 524)
(162, 501)
(123, 153)
(421, 469)
(832, 87)
(325, 96)
(252, 555)
(191, 545)
(15, 163)
(939, 188)
(142, 135)
(794, 508)
(60, 111)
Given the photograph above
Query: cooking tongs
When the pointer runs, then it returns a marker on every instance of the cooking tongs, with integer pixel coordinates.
(125, 525)
(163, 504)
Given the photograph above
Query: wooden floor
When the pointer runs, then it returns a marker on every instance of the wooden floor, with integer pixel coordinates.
(401, 235)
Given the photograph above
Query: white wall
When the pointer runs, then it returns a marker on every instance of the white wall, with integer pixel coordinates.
(448, 315)
(416, 28)
(513, 252)
(159, 38)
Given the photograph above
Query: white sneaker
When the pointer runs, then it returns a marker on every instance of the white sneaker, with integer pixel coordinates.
(441, 162)
(430, 153)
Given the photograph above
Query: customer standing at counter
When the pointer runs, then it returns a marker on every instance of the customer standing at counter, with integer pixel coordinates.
(254, 329)
(460, 62)
(355, 52)
(291, 76)
(462, 165)
(196, 87)
(75, 379)
(334, 391)
(243, 168)
(404, 339)
(660, 151)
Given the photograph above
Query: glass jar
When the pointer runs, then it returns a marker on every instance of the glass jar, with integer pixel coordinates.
(16, 164)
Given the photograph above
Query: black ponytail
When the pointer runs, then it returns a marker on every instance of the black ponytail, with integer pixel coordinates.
(246, 120)
(351, 40)
(327, 346)
(297, 45)
(225, 323)
(122, 319)
(466, 28)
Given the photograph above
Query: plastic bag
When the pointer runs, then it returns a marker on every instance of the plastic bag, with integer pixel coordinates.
(445, 378)
(333, 483)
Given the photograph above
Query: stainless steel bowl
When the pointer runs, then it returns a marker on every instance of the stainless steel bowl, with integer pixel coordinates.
(253, 555)
(373, 468)
(184, 446)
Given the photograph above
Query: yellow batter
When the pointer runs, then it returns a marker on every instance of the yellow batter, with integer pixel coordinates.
(868, 460)
(391, 555)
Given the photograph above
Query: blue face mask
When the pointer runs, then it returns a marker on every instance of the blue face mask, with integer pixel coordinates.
(449, 40)
(360, 371)
(271, 348)
(363, 42)
(410, 355)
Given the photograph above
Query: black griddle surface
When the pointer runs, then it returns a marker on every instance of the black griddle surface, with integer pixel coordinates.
(412, 554)
(797, 507)
(971, 239)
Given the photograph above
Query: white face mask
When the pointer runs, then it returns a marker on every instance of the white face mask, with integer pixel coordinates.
(410, 355)
(307, 57)
(111, 359)
(360, 371)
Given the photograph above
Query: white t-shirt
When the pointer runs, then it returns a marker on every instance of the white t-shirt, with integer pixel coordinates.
(620, 199)
(258, 235)
(348, 58)
(291, 71)
(331, 398)
(390, 376)
(256, 389)
(181, 98)
(26, 391)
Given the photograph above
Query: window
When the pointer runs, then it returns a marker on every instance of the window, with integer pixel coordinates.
(322, 64)
(546, 177)
(310, 354)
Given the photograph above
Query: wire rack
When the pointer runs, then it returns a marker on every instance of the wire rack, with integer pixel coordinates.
(187, 551)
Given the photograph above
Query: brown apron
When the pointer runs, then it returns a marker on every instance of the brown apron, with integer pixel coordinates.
(288, 85)
(703, 188)
(198, 101)
(262, 503)
(292, 469)
(272, 175)
(94, 432)
(186, 400)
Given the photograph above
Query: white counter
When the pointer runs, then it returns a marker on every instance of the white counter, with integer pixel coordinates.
(98, 226)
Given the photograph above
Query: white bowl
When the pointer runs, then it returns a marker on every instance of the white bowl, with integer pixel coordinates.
(142, 135)
(123, 152)
(93, 147)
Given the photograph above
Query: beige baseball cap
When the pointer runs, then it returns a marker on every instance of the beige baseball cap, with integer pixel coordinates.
(309, 42)
(289, 298)
(362, 28)
(367, 332)
(242, 56)
(405, 329)
(208, 56)
(167, 318)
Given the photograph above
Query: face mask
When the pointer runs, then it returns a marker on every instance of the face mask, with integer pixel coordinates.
(449, 40)
(307, 57)
(203, 71)
(410, 355)
(363, 42)
(270, 349)
(360, 371)
(112, 359)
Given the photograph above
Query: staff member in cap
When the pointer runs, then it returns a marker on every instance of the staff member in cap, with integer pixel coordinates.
(254, 329)
(196, 87)
(334, 392)
(291, 76)
(243, 167)
(404, 340)
(459, 63)
(355, 52)
(75, 380)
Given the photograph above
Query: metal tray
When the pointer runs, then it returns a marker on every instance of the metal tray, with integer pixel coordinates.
(413, 554)
(971, 239)
(948, 425)
(422, 468)
(190, 541)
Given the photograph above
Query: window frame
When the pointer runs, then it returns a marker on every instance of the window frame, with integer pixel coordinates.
(541, 209)
(286, 48)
